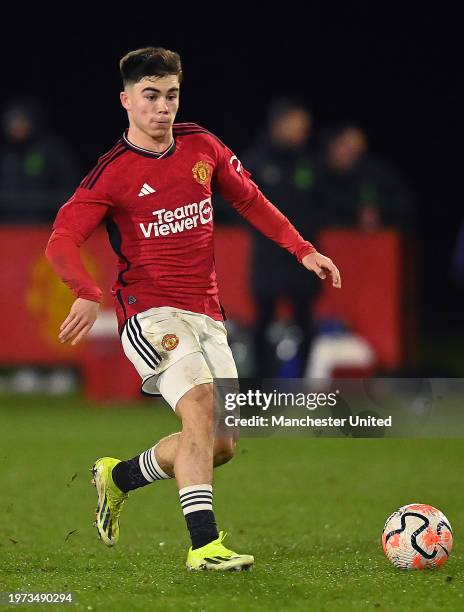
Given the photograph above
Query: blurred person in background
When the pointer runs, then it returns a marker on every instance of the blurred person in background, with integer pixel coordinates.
(282, 162)
(36, 168)
(355, 190)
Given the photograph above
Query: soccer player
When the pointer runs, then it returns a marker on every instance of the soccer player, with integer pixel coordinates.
(153, 190)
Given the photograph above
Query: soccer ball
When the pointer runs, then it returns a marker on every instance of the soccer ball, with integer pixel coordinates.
(417, 536)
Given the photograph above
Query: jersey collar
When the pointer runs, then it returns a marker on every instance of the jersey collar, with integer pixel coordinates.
(146, 152)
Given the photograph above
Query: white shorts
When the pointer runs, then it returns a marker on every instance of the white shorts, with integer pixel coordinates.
(175, 350)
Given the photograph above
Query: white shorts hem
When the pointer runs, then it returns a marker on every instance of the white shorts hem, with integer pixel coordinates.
(195, 384)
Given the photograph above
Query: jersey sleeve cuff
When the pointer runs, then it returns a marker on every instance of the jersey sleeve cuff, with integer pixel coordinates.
(304, 250)
(93, 296)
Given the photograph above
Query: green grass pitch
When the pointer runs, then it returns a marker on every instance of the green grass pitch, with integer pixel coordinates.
(310, 510)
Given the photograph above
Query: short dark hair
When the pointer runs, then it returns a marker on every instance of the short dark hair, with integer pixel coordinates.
(149, 61)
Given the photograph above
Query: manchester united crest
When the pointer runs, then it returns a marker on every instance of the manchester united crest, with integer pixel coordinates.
(201, 172)
(169, 342)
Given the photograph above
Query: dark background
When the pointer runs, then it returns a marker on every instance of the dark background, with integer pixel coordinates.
(395, 73)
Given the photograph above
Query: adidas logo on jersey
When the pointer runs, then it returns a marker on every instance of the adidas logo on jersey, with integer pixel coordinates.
(146, 190)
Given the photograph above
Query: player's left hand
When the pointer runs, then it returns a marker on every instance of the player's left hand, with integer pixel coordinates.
(321, 265)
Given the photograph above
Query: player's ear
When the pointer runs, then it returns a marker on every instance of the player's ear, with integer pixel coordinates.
(125, 101)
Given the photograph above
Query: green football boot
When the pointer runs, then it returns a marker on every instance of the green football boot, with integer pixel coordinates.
(110, 500)
(215, 556)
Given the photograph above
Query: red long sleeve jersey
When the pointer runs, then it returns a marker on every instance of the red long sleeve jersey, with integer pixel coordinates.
(159, 217)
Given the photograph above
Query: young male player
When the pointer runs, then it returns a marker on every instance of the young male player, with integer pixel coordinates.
(153, 190)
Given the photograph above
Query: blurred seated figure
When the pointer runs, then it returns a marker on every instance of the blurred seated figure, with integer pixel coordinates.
(283, 164)
(37, 171)
(355, 190)
(336, 349)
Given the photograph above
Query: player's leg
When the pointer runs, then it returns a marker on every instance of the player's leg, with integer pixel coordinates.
(196, 498)
(218, 364)
(180, 375)
(193, 468)
(166, 449)
(153, 341)
(186, 386)
(114, 478)
(157, 463)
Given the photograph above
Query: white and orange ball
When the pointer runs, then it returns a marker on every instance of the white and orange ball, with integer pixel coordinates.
(417, 536)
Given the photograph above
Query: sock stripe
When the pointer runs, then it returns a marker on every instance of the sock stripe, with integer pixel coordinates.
(155, 466)
(139, 471)
(194, 488)
(197, 508)
(185, 496)
(200, 500)
(158, 467)
(149, 474)
(149, 466)
(196, 498)
(191, 499)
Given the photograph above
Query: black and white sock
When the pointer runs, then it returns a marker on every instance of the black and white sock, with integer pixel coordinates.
(197, 506)
(138, 471)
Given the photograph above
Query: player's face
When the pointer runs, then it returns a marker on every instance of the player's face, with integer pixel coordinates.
(152, 104)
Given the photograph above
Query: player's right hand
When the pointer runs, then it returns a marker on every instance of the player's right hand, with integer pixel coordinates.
(79, 321)
(322, 265)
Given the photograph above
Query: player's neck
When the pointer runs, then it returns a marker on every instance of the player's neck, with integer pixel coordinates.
(140, 139)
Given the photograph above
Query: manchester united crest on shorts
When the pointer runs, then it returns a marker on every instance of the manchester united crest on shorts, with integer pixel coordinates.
(169, 342)
(201, 172)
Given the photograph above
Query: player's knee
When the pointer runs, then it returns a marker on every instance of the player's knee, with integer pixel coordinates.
(224, 450)
(196, 409)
